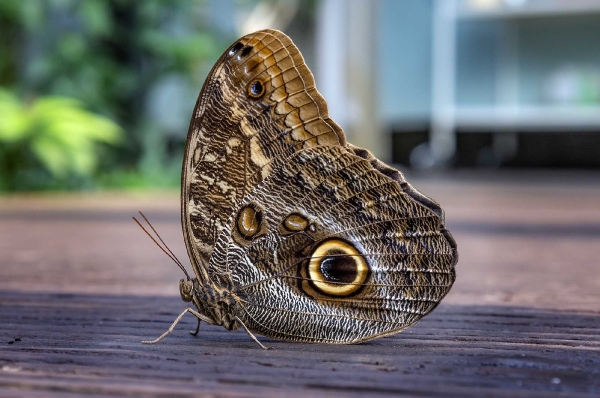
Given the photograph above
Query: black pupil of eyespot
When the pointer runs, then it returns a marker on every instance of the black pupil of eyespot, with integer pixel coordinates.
(256, 88)
(235, 48)
(339, 268)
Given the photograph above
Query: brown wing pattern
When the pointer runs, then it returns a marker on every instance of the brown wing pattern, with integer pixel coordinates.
(276, 206)
(409, 256)
(257, 107)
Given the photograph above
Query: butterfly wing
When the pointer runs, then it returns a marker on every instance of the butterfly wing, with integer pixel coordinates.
(257, 107)
(335, 247)
(320, 241)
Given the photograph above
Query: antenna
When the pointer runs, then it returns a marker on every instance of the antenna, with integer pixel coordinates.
(168, 251)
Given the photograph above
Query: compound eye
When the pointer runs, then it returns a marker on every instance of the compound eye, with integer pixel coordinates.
(336, 268)
(186, 290)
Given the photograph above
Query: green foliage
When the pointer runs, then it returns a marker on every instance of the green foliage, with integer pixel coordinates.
(53, 137)
(109, 55)
(140, 63)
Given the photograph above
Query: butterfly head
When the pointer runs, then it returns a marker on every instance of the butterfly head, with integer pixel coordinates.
(186, 289)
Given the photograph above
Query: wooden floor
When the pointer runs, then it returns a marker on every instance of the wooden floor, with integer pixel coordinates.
(81, 286)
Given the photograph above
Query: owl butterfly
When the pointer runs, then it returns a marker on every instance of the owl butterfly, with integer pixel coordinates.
(292, 232)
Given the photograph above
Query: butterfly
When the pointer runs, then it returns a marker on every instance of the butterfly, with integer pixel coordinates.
(292, 232)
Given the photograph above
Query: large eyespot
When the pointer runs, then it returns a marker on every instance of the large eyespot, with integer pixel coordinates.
(248, 222)
(256, 89)
(336, 268)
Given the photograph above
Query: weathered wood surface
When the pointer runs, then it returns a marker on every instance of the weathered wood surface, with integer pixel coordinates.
(81, 286)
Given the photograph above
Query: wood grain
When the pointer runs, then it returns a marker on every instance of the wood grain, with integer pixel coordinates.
(81, 286)
(80, 343)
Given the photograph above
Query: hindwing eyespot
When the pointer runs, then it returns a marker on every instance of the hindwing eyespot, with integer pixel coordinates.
(337, 268)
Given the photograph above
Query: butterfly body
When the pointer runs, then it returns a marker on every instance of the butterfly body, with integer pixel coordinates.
(292, 232)
(217, 304)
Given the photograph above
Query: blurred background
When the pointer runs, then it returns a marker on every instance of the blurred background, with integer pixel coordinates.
(97, 94)
(492, 108)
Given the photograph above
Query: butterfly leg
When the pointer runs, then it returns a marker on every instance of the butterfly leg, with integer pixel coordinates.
(250, 333)
(193, 312)
(195, 332)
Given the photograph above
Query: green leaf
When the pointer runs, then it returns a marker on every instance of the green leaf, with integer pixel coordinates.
(60, 133)
(13, 118)
(51, 154)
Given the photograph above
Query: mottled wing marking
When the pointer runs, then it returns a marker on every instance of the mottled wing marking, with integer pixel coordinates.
(261, 147)
(234, 141)
(348, 197)
(406, 187)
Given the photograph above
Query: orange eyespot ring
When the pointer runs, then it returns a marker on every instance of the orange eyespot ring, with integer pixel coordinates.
(256, 89)
(336, 268)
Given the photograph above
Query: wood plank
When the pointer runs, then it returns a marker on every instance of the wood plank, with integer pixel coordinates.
(79, 343)
(76, 343)
(81, 286)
